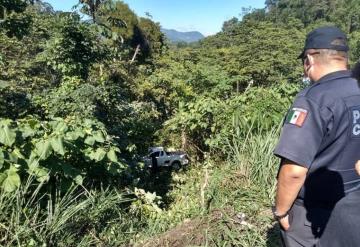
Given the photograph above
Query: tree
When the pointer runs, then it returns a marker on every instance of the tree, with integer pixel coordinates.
(229, 25)
(149, 38)
(15, 23)
(91, 7)
(343, 13)
(73, 49)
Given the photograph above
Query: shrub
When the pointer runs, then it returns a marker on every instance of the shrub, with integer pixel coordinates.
(61, 150)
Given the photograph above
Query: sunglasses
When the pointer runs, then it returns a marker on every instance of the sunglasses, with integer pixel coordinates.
(303, 59)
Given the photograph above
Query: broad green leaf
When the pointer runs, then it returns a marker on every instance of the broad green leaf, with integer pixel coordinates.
(43, 149)
(13, 157)
(99, 137)
(90, 140)
(79, 180)
(27, 131)
(61, 127)
(7, 136)
(41, 174)
(88, 122)
(74, 135)
(33, 160)
(17, 153)
(97, 155)
(57, 144)
(5, 121)
(112, 155)
(115, 168)
(12, 179)
(71, 136)
(33, 123)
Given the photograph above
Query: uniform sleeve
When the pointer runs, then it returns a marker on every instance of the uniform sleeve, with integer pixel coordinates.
(303, 131)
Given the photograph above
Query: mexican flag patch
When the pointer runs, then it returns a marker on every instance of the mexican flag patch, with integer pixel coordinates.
(296, 116)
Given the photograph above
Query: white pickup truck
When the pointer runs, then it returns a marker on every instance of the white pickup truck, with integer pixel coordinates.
(165, 158)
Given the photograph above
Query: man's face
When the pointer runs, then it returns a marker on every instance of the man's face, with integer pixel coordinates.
(308, 62)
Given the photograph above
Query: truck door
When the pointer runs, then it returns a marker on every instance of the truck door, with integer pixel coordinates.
(154, 161)
(167, 159)
(162, 159)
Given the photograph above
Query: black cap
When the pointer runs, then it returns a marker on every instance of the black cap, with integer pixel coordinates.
(326, 38)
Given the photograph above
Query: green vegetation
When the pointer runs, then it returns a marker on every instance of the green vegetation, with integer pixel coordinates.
(81, 100)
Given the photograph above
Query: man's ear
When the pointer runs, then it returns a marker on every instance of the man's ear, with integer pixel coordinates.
(310, 60)
(307, 64)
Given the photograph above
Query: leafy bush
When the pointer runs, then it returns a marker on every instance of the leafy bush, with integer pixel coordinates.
(147, 204)
(14, 103)
(67, 150)
(209, 122)
(73, 97)
(73, 49)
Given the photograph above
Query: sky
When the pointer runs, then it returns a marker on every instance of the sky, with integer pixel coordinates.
(205, 16)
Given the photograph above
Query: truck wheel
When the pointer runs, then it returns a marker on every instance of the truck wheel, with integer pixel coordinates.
(176, 165)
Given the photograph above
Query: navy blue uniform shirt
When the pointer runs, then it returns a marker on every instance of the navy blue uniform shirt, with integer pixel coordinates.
(322, 133)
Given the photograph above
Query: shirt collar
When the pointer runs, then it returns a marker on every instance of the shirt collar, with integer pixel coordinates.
(334, 75)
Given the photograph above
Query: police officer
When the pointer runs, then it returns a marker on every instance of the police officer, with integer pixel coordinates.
(343, 226)
(344, 223)
(320, 140)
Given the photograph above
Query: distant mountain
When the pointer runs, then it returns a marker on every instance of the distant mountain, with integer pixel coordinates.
(176, 36)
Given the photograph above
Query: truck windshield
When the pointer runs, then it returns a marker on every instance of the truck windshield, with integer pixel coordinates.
(155, 154)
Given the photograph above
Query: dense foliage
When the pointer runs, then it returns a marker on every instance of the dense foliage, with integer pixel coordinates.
(82, 99)
(65, 71)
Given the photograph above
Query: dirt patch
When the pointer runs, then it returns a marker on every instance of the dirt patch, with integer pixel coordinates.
(190, 232)
(195, 232)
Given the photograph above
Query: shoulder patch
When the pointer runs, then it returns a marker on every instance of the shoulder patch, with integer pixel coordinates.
(296, 116)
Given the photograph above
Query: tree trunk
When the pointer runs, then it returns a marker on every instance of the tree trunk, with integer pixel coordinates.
(135, 53)
(183, 140)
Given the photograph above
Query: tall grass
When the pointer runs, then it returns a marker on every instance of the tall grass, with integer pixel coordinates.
(245, 184)
(30, 217)
(253, 155)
